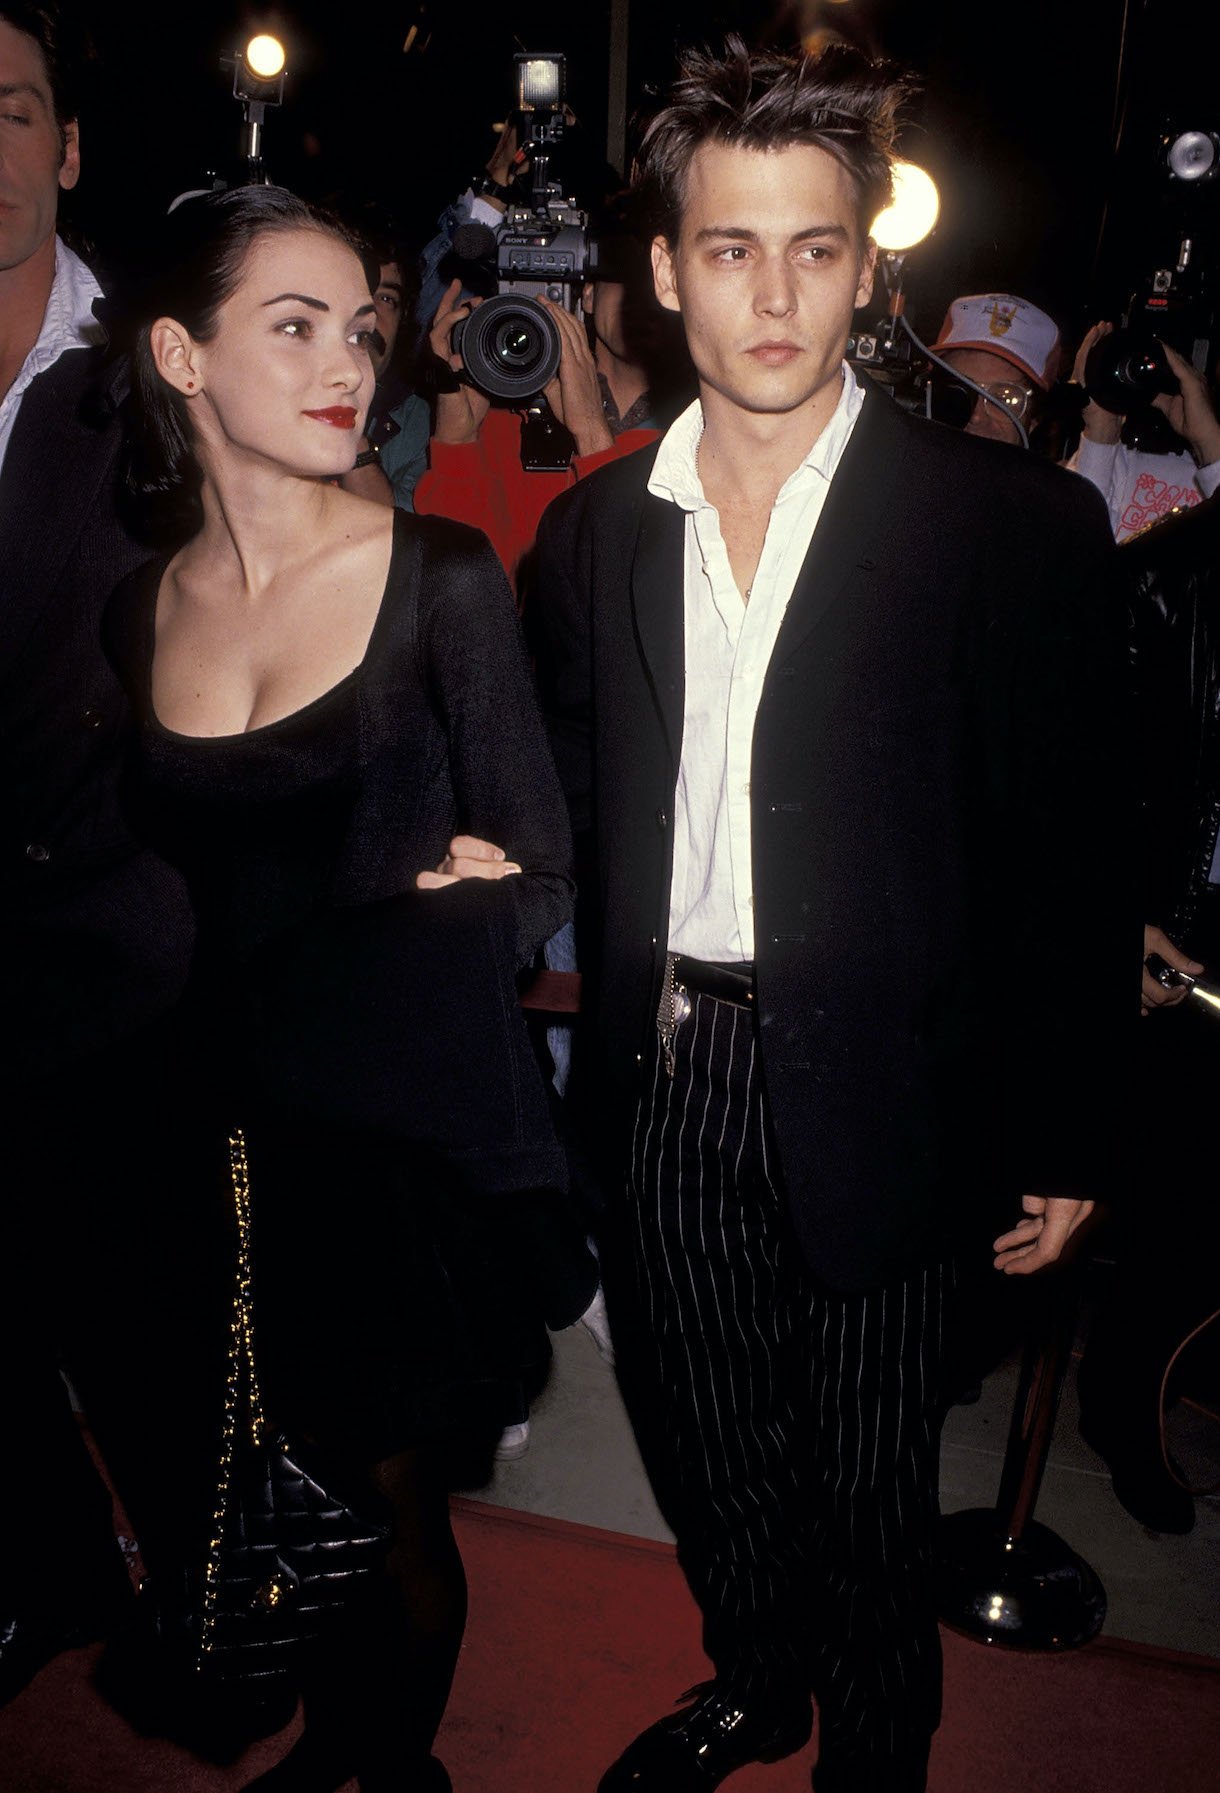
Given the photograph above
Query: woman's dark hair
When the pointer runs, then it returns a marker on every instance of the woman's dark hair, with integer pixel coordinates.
(192, 267)
(840, 101)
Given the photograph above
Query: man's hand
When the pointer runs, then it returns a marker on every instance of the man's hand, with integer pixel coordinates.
(1099, 425)
(1189, 410)
(506, 161)
(459, 414)
(1050, 1221)
(468, 857)
(575, 396)
(1152, 994)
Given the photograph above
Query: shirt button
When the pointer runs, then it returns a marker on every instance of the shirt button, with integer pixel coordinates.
(662, 820)
(92, 719)
(37, 853)
(745, 789)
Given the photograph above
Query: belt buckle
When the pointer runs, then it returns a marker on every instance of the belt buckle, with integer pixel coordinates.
(673, 1009)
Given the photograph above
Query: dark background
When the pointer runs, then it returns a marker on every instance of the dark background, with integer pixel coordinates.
(1018, 120)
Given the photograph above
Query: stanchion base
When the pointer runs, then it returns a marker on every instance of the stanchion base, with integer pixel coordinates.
(1034, 1593)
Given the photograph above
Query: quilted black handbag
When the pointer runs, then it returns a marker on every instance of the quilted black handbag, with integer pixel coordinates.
(287, 1561)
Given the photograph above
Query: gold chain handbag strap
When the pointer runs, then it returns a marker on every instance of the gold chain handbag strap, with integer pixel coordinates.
(241, 1355)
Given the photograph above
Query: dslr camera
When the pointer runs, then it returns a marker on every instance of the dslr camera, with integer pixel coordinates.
(1177, 301)
(509, 344)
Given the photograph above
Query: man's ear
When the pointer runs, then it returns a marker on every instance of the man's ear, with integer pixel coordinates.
(665, 274)
(175, 355)
(868, 267)
(69, 167)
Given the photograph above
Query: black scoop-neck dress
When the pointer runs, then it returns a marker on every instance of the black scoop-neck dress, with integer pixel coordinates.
(371, 1050)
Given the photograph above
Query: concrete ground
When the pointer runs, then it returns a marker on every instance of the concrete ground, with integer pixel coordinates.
(582, 1465)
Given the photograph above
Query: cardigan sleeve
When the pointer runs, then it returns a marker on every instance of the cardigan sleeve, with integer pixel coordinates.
(504, 782)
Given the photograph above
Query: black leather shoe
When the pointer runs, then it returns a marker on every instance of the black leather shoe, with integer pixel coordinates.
(1141, 1482)
(694, 1750)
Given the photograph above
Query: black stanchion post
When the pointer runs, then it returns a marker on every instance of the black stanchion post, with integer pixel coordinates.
(1001, 1576)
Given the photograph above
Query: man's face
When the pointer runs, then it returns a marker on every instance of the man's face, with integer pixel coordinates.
(35, 162)
(1019, 393)
(388, 300)
(767, 270)
(624, 317)
(602, 303)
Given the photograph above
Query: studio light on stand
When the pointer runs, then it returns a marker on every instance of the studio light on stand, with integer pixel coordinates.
(910, 216)
(258, 82)
(1192, 155)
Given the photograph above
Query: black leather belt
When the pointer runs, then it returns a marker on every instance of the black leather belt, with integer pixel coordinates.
(701, 977)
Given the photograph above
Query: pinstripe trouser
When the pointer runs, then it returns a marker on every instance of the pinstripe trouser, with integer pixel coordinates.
(801, 1426)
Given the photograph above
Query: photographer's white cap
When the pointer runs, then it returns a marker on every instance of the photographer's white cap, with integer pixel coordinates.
(1006, 326)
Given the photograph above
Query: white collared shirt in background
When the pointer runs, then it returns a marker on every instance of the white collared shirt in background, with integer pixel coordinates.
(728, 646)
(67, 323)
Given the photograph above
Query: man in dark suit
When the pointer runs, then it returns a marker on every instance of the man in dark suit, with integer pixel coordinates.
(96, 931)
(835, 695)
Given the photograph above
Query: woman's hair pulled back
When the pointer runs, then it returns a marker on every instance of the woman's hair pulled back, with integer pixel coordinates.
(194, 264)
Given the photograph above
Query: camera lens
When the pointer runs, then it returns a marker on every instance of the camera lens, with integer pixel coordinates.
(514, 345)
(510, 347)
(1126, 370)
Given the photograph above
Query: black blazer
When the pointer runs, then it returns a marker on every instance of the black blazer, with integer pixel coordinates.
(97, 932)
(945, 944)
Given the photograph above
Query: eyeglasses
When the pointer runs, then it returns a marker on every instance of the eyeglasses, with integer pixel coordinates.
(1016, 399)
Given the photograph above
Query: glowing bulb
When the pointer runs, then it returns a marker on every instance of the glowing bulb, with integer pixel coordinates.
(911, 213)
(265, 57)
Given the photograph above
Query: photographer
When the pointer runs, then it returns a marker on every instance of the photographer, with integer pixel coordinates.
(1009, 348)
(1141, 487)
(601, 393)
(475, 472)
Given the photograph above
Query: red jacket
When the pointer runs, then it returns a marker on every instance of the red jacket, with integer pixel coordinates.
(485, 484)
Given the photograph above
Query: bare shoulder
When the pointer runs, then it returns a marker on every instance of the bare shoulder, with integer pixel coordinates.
(360, 533)
(346, 556)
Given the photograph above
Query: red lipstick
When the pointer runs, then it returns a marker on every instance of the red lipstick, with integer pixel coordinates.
(340, 417)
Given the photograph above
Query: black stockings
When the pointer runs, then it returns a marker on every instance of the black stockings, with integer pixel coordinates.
(375, 1697)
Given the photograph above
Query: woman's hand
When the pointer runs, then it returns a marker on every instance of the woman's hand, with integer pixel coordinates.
(468, 857)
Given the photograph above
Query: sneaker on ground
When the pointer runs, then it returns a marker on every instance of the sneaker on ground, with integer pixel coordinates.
(514, 1442)
(597, 1325)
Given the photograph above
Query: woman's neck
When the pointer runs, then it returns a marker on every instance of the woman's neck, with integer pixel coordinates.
(259, 519)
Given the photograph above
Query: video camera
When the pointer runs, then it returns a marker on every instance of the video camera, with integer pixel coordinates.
(510, 344)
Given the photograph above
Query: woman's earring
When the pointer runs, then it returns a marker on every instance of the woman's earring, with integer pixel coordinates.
(190, 385)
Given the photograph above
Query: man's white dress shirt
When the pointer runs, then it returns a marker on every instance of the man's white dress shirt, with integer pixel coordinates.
(67, 323)
(729, 644)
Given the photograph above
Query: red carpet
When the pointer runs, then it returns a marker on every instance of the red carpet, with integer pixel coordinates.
(578, 1638)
